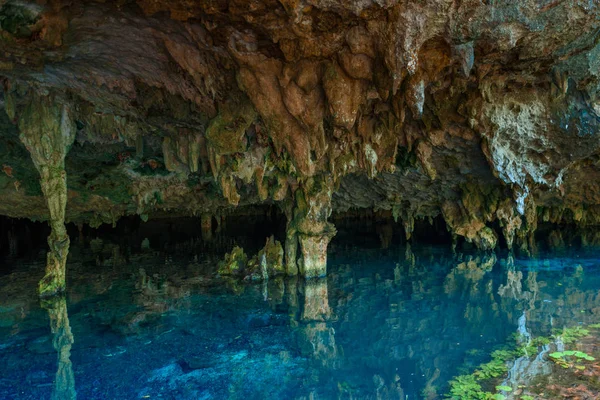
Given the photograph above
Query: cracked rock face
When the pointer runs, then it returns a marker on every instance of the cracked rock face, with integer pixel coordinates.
(484, 112)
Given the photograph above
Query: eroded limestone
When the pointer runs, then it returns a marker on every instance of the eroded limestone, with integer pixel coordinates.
(47, 130)
(311, 213)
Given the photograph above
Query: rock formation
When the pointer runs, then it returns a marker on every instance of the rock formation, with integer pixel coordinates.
(483, 112)
(47, 131)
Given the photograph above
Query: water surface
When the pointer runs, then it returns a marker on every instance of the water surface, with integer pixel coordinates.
(387, 324)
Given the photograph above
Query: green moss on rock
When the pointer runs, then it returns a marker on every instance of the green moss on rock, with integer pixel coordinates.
(234, 262)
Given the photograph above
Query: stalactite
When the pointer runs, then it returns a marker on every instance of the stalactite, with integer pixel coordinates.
(409, 226)
(466, 57)
(415, 95)
(47, 130)
(526, 235)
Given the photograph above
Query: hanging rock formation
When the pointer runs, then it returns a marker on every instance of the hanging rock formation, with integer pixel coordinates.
(483, 112)
(47, 131)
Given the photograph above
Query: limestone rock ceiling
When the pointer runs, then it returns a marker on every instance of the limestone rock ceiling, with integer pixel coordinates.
(478, 110)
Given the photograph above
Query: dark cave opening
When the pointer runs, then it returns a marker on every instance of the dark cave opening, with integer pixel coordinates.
(251, 227)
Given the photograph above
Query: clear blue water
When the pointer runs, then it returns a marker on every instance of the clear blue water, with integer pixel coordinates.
(385, 324)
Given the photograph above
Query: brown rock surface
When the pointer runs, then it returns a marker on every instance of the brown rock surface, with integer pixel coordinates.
(476, 111)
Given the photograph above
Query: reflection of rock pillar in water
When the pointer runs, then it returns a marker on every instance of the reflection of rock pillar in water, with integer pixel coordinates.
(316, 301)
(206, 224)
(47, 131)
(409, 257)
(291, 299)
(318, 341)
(64, 383)
(13, 244)
(385, 230)
(317, 337)
(313, 208)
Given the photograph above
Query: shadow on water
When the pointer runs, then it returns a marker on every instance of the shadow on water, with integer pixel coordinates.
(386, 324)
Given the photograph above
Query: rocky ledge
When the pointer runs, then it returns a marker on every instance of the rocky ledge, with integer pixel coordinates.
(484, 112)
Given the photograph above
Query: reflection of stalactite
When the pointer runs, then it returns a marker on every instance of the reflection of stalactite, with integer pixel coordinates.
(389, 391)
(291, 298)
(317, 340)
(430, 390)
(534, 289)
(64, 383)
(409, 257)
(525, 369)
(513, 287)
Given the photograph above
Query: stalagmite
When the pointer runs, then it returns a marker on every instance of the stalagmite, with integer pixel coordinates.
(313, 208)
(47, 130)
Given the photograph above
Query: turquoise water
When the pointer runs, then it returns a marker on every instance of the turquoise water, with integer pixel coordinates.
(385, 324)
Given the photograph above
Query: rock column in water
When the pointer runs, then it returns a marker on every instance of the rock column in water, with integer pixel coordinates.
(47, 130)
(206, 224)
(314, 232)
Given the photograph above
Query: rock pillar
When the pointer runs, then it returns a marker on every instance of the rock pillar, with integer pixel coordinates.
(291, 251)
(291, 242)
(48, 131)
(206, 224)
(313, 208)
